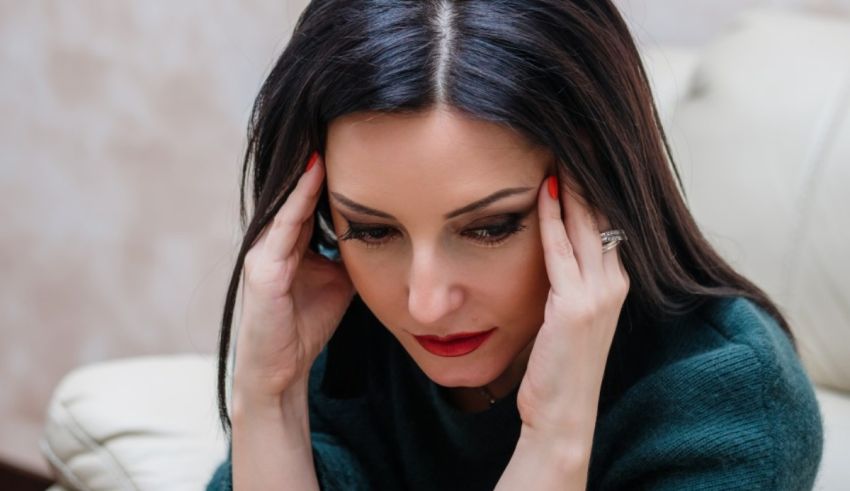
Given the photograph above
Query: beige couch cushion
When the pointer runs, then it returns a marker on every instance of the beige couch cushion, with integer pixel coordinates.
(834, 474)
(763, 143)
(143, 424)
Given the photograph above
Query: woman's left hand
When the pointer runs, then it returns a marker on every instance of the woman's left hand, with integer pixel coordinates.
(559, 392)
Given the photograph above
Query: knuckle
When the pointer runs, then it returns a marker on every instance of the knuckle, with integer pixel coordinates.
(621, 283)
(613, 300)
(257, 265)
(251, 259)
(253, 272)
(272, 276)
(282, 219)
(625, 285)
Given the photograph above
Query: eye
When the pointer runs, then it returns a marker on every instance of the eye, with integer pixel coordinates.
(489, 236)
(371, 236)
(496, 234)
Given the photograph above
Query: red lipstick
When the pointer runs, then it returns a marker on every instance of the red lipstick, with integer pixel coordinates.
(456, 344)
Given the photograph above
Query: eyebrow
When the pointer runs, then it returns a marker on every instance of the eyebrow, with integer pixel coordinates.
(475, 205)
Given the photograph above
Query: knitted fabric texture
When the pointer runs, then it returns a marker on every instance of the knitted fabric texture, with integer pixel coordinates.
(715, 400)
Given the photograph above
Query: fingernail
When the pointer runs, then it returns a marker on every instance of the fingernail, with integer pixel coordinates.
(553, 187)
(313, 158)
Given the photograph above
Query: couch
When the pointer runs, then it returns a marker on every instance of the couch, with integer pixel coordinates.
(759, 123)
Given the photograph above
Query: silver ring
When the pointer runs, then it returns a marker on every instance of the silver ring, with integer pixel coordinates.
(611, 239)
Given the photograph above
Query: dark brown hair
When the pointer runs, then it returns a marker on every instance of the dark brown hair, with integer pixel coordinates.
(562, 72)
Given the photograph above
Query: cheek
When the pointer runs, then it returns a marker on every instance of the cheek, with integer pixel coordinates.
(508, 285)
(519, 282)
(368, 269)
(378, 279)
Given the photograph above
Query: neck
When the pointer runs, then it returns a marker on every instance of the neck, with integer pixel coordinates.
(471, 399)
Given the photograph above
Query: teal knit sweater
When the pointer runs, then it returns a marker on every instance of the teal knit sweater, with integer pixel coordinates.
(716, 400)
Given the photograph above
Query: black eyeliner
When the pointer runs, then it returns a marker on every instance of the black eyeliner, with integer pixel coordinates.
(509, 222)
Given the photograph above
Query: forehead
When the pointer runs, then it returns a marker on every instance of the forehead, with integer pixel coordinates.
(367, 151)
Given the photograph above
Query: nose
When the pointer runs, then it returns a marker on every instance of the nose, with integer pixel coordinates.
(432, 290)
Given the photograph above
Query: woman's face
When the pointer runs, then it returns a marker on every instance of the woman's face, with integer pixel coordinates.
(428, 265)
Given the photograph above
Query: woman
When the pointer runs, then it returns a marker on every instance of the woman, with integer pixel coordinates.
(469, 266)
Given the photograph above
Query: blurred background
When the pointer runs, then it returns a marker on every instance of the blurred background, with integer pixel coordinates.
(120, 146)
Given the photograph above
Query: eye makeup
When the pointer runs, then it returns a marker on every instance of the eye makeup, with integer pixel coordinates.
(491, 231)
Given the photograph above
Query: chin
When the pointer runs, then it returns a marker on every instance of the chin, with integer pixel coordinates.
(461, 371)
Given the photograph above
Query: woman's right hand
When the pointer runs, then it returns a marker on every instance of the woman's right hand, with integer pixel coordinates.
(293, 298)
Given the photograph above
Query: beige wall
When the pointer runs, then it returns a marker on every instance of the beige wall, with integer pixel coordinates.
(120, 144)
(692, 22)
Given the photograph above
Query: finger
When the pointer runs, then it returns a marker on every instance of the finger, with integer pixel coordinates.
(602, 221)
(303, 240)
(298, 207)
(561, 265)
(259, 244)
(583, 232)
(610, 259)
(614, 269)
(612, 263)
(618, 281)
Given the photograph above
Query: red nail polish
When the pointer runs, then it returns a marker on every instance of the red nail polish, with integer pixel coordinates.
(313, 158)
(553, 187)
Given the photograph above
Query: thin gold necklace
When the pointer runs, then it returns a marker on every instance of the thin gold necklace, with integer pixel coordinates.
(487, 395)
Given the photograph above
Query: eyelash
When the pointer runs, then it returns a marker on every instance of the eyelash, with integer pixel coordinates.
(504, 230)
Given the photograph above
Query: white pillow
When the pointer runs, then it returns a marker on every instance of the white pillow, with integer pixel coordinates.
(143, 424)
(763, 145)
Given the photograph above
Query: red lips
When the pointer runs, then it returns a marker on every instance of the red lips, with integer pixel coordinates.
(456, 344)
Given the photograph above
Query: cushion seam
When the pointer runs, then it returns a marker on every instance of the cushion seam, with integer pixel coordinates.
(78, 431)
(58, 464)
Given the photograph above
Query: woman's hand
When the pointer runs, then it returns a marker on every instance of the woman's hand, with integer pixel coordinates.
(293, 299)
(559, 393)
